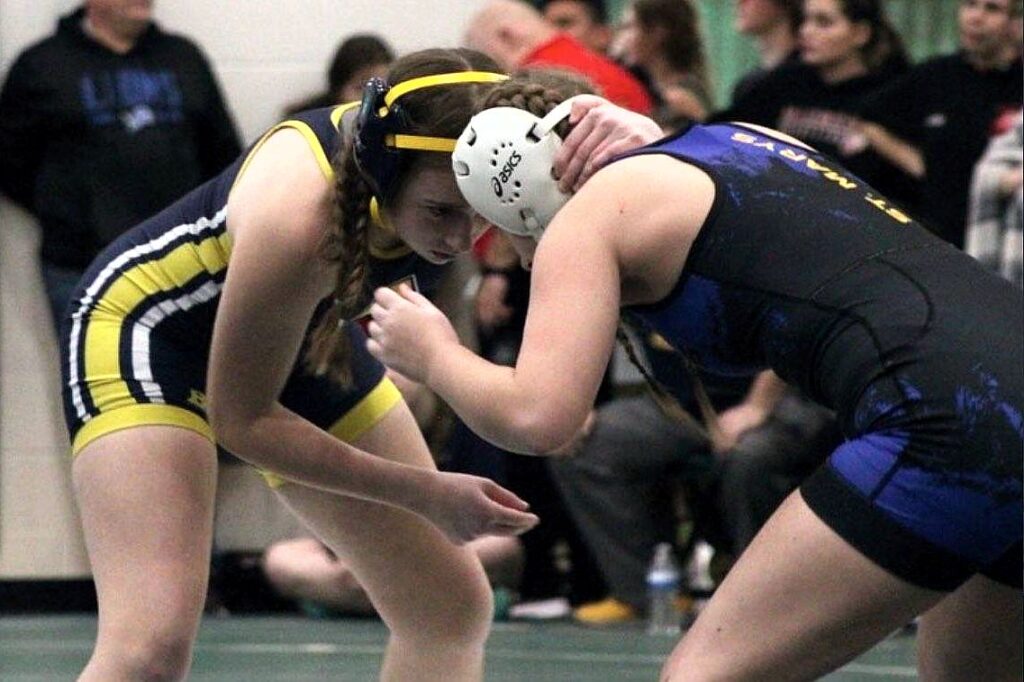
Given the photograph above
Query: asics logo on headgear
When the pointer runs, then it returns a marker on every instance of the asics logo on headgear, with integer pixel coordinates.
(519, 195)
(498, 181)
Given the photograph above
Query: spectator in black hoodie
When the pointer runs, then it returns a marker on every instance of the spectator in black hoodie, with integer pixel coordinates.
(848, 51)
(101, 125)
(936, 120)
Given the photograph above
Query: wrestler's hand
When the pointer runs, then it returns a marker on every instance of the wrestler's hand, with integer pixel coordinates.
(407, 331)
(466, 507)
(735, 422)
(601, 131)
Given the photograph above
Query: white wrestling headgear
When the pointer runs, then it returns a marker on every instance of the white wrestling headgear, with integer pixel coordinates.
(503, 166)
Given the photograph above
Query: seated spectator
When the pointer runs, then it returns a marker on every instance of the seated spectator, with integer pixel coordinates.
(634, 460)
(516, 36)
(773, 24)
(765, 463)
(848, 52)
(994, 230)
(358, 59)
(306, 570)
(662, 38)
(935, 121)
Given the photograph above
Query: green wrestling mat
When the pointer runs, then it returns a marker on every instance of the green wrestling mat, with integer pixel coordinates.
(251, 649)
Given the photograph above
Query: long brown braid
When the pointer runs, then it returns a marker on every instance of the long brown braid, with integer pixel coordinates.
(441, 111)
(708, 426)
(539, 92)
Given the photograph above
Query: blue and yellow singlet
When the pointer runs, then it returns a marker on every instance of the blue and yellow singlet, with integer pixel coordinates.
(135, 341)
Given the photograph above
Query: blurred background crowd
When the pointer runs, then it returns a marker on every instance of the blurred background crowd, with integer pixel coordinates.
(923, 104)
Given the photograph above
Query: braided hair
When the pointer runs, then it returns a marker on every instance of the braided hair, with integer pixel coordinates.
(438, 111)
(538, 91)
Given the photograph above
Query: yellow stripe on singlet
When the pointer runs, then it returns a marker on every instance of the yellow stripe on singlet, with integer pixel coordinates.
(356, 422)
(339, 111)
(367, 412)
(147, 414)
(310, 137)
(172, 271)
(311, 140)
(398, 251)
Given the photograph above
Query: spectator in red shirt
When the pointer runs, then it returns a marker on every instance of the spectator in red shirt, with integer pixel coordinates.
(516, 36)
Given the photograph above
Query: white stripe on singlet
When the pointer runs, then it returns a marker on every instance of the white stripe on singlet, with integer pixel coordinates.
(142, 369)
(111, 270)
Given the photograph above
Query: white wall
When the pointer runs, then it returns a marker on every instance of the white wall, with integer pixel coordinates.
(266, 53)
(271, 52)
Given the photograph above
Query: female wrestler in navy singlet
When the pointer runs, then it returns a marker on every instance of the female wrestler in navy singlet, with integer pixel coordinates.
(746, 249)
(219, 321)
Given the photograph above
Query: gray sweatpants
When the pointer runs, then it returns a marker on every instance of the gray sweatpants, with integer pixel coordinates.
(619, 486)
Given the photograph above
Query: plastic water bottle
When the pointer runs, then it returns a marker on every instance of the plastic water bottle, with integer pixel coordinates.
(663, 577)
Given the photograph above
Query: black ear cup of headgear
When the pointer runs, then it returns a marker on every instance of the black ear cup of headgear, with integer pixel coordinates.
(379, 163)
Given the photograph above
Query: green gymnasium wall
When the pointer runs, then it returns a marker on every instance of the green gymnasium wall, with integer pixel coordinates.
(928, 27)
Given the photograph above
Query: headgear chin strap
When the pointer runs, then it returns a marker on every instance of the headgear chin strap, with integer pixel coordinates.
(503, 166)
(381, 133)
